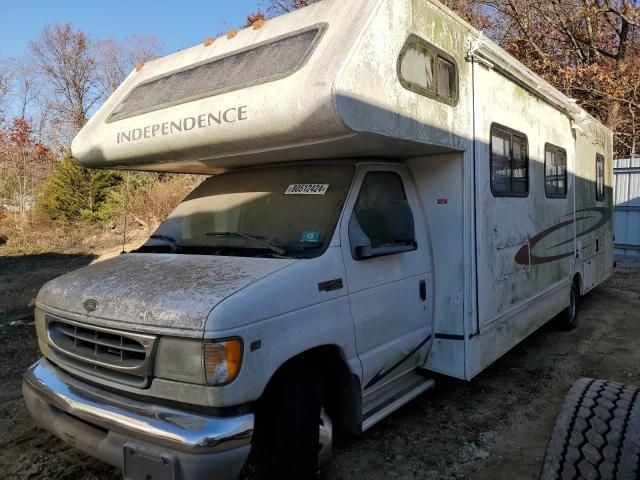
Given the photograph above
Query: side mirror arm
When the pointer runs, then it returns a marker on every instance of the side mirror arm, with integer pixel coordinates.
(358, 240)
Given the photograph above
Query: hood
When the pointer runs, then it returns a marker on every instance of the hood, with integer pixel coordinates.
(154, 291)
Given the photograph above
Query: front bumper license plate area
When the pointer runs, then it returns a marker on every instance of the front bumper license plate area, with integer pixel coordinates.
(144, 463)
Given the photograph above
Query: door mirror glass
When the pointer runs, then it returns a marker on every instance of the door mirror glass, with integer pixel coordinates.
(382, 221)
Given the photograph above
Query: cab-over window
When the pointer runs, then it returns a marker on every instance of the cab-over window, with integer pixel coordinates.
(425, 69)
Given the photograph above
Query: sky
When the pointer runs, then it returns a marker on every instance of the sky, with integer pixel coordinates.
(177, 24)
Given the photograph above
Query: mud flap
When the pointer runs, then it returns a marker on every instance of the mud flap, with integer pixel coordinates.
(144, 463)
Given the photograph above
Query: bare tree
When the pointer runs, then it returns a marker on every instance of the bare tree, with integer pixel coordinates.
(117, 59)
(80, 72)
(28, 86)
(7, 73)
(473, 11)
(278, 7)
(65, 60)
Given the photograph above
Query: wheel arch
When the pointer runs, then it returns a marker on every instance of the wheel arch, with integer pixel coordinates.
(577, 278)
(341, 386)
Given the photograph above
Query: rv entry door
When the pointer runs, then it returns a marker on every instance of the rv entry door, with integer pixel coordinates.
(384, 246)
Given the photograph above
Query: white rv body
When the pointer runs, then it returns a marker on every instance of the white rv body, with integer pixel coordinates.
(492, 262)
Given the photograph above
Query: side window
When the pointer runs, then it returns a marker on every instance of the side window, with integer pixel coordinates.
(425, 69)
(416, 67)
(446, 79)
(599, 177)
(509, 163)
(382, 222)
(555, 171)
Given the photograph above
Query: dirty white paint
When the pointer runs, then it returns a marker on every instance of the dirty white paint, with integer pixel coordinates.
(146, 291)
(347, 101)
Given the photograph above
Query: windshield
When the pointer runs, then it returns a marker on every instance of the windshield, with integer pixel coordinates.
(284, 211)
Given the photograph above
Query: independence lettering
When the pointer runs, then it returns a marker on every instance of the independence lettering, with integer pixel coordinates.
(205, 120)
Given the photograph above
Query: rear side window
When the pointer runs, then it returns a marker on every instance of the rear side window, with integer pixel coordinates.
(555, 171)
(599, 177)
(257, 64)
(383, 211)
(509, 163)
(425, 69)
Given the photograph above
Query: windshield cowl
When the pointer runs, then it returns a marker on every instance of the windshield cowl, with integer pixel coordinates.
(218, 250)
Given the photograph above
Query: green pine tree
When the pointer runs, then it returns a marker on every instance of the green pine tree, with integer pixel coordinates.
(72, 193)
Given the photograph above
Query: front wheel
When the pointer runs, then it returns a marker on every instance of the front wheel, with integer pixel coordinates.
(294, 432)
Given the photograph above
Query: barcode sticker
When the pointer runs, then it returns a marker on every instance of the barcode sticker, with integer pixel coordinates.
(307, 189)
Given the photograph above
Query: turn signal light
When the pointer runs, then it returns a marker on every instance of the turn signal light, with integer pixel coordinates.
(222, 361)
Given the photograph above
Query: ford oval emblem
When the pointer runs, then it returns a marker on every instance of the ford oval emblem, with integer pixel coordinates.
(90, 305)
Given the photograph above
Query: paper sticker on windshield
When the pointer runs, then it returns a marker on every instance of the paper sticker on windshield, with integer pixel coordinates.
(310, 237)
(307, 189)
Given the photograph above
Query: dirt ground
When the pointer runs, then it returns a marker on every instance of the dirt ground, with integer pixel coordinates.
(495, 427)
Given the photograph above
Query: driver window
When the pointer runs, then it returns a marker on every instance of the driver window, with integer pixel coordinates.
(383, 212)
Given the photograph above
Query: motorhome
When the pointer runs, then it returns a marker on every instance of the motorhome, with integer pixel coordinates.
(390, 196)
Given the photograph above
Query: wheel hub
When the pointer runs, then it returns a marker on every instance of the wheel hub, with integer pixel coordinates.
(325, 446)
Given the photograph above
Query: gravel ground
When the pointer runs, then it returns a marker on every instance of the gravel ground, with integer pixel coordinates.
(495, 427)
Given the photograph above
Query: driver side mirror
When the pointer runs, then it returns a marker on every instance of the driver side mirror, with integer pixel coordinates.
(400, 228)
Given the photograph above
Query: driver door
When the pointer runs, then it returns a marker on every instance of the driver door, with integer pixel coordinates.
(384, 245)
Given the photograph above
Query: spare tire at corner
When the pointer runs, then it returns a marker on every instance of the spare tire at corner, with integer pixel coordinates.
(597, 434)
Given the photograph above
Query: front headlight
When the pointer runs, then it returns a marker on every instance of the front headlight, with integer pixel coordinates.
(197, 361)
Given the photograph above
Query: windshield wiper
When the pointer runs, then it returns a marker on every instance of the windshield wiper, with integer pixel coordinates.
(173, 244)
(273, 248)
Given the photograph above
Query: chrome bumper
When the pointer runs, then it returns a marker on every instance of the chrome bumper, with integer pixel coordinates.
(103, 424)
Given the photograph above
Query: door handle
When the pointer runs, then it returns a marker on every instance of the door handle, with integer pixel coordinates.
(423, 290)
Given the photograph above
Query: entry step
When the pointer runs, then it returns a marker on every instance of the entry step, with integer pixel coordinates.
(390, 397)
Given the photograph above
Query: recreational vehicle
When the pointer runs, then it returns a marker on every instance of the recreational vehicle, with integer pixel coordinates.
(390, 195)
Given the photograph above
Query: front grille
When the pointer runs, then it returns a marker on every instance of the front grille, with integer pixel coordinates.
(115, 355)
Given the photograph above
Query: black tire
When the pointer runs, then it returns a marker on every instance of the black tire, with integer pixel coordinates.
(596, 435)
(287, 426)
(568, 318)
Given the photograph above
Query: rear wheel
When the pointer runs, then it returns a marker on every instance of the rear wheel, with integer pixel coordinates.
(596, 435)
(568, 318)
